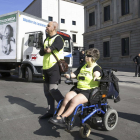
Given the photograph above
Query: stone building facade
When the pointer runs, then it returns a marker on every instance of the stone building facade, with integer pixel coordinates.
(113, 26)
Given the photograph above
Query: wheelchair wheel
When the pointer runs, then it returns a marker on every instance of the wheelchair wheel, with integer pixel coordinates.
(85, 131)
(110, 119)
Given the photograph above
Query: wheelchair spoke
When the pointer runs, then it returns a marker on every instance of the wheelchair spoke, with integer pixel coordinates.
(112, 120)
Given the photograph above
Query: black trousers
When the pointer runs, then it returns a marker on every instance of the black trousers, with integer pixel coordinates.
(52, 93)
(137, 70)
(52, 78)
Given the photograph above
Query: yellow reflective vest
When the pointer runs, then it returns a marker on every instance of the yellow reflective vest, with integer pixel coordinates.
(48, 59)
(86, 78)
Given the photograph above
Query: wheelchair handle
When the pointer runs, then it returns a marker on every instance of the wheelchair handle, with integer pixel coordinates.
(114, 70)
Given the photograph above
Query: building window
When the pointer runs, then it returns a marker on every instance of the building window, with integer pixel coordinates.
(107, 13)
(50, 18)
(73, 22)
(92, 19)
(106, 49)
(125, 46)
(91, 46)
(74, 38)
(62, 20)
(125, 7)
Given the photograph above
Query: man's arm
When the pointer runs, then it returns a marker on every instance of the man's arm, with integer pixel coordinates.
(57, 45)
(42, 52)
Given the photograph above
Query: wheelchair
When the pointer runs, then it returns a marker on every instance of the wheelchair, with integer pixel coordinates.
(95, 111)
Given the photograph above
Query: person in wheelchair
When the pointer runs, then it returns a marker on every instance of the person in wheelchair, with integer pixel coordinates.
(86, 75)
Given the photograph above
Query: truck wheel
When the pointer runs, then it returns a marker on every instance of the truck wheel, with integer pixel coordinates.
(5, 74)
(28, 74)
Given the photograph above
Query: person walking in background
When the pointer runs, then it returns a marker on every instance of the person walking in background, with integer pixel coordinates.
(136, 60)
(51, 73)
(82, 58)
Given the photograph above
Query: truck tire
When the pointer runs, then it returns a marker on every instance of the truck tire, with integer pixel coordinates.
(5, 74)
(28, 74)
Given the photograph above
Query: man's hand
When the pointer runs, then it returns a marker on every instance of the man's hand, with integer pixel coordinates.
(47, 50)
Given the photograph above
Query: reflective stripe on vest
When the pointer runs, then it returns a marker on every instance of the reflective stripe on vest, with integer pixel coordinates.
(48, 59)
(88, 82)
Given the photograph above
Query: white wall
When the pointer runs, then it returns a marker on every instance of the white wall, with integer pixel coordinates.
(68, 11)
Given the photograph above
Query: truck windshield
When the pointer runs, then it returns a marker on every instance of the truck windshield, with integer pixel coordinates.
(67, 46)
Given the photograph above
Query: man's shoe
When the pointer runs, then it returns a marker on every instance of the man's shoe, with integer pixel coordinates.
(59, 122)
(117, 99)
(45, 116)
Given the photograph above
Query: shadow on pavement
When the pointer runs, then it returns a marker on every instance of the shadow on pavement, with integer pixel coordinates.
(128, 116)
(46, 128)
(28, 105)
(105, 137)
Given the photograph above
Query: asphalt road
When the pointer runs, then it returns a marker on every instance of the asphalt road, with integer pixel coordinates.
(22, 103)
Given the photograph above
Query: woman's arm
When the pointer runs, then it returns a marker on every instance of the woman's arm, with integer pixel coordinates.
(96, 75)
(68, 76)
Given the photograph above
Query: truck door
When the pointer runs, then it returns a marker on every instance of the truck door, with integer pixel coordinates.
(28, 46)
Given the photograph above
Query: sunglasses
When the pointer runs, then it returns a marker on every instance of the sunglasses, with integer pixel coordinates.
(88, 55)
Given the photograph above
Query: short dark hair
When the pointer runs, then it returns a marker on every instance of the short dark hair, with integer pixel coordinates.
(11, 30)
(95, 53)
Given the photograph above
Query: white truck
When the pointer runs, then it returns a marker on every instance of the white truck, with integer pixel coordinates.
(21, 36)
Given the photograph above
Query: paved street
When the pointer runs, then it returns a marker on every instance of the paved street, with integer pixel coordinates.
(22, 103)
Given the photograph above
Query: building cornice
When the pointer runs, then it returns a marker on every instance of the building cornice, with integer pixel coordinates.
(73, 2)
(88, 2)
(109, 27)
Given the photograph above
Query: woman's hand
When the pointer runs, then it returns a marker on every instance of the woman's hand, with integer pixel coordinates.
(67, 76)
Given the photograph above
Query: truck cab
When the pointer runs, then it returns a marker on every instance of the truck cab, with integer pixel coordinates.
(32, 62)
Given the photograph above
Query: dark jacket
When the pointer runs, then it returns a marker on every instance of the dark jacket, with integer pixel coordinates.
(137, 59)
(82, 56)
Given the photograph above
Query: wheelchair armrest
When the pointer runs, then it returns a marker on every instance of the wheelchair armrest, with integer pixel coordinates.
(96, 90)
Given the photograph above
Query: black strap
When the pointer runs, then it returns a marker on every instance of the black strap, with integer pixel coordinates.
(52, 51)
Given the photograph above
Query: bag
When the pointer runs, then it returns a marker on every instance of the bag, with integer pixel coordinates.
(63, 66)
(113, 86)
